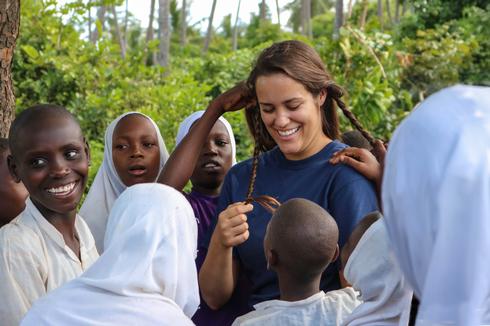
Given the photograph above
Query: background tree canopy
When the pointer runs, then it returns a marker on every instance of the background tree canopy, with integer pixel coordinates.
(387, 63)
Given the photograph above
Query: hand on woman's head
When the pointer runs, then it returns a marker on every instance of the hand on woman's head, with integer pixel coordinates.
(236, 98)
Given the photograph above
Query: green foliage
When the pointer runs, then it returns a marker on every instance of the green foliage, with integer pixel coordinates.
(384, 73)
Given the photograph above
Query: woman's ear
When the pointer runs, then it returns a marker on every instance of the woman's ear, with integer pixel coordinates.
(322, 96)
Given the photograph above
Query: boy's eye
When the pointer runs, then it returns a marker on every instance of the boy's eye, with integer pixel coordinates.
(121, 146)
(148, 145)
(38, 163)
(71, 154)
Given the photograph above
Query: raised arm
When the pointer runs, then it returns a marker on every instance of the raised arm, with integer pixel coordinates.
(180, 165)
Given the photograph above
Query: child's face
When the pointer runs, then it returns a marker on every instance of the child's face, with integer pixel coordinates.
(214, 160)
(12, 194)
(51, 159)
(135, 150)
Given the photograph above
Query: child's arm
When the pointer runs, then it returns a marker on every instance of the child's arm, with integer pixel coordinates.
(180, 165)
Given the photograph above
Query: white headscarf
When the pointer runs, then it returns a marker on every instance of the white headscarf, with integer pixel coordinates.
(436, 200)
(107, 185)
(146, 276)
(373, 271)
(186, 125)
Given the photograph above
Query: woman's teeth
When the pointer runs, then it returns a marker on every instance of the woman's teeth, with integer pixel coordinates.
(285, 133)
(62, 189)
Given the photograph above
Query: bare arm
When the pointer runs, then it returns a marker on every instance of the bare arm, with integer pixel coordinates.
(180, 165)
(218, 275)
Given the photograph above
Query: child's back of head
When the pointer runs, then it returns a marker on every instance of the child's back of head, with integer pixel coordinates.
(301, 240)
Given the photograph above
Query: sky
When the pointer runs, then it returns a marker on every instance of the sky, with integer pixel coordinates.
(199, 10)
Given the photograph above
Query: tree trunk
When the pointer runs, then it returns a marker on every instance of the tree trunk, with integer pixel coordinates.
(210, 29)
(306, 18)
(404, 8)
(349, 10)
(149, 35)
(164, 27)
(262, 10)
(125, 36)
(397, 11)
(380, 13)
(278, 13)
(89, 21)
(101, 18)
(183, 23)
(388, 11)
(235, 28)
(118, 32)
(362, 19)
(9, 30)
(339, 18)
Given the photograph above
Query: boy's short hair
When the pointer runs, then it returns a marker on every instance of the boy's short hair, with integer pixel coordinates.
(305, 237)
(354, 138)
(35, 114)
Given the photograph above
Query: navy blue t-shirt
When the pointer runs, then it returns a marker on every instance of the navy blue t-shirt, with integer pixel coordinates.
(342, 191)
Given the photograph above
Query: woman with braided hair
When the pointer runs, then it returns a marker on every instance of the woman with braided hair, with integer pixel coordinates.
(295, 127)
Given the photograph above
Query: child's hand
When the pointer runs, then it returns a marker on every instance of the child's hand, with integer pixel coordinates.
(235, 98)
(232, 227)
(361, 160)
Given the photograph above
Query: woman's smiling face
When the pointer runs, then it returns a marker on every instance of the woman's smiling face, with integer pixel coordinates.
(291, 115)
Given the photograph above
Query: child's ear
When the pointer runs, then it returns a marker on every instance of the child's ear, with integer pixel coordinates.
(13, 168)
(272, 259)
(87, 150)
(336, 254)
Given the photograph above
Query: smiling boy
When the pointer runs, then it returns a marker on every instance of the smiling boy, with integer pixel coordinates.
(48, 244)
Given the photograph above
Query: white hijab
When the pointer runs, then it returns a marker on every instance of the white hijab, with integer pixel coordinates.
(186, 125)
(436, 200)
(107, 185)
(373, 271)
(146, 276)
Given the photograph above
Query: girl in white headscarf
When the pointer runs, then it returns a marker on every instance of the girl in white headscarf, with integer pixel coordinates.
(436, 201)
(373, 270)
(147, 274)
(134, 152)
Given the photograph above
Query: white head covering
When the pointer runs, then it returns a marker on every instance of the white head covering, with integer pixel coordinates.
(107, 185)
(146, 276)
(186, 125)
(373, 270)
(436, 200)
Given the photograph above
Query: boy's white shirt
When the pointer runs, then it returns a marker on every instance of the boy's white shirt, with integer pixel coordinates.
(34, 260)
(320, 309)
(147, 274)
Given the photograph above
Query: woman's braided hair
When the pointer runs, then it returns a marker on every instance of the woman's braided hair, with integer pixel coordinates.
(302, 63)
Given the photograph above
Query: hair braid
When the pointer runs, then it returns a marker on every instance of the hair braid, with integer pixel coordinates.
(336, 92)
(268, 202)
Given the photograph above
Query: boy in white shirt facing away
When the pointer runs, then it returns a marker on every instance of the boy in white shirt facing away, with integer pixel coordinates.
(300, 242)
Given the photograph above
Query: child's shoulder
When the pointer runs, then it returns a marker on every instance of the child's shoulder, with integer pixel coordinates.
(18, 237)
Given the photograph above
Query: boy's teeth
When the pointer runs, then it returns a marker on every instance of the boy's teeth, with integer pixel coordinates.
(62, 189)
(288, 132)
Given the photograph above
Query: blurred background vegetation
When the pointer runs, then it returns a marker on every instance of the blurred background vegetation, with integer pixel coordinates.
(389, 55)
